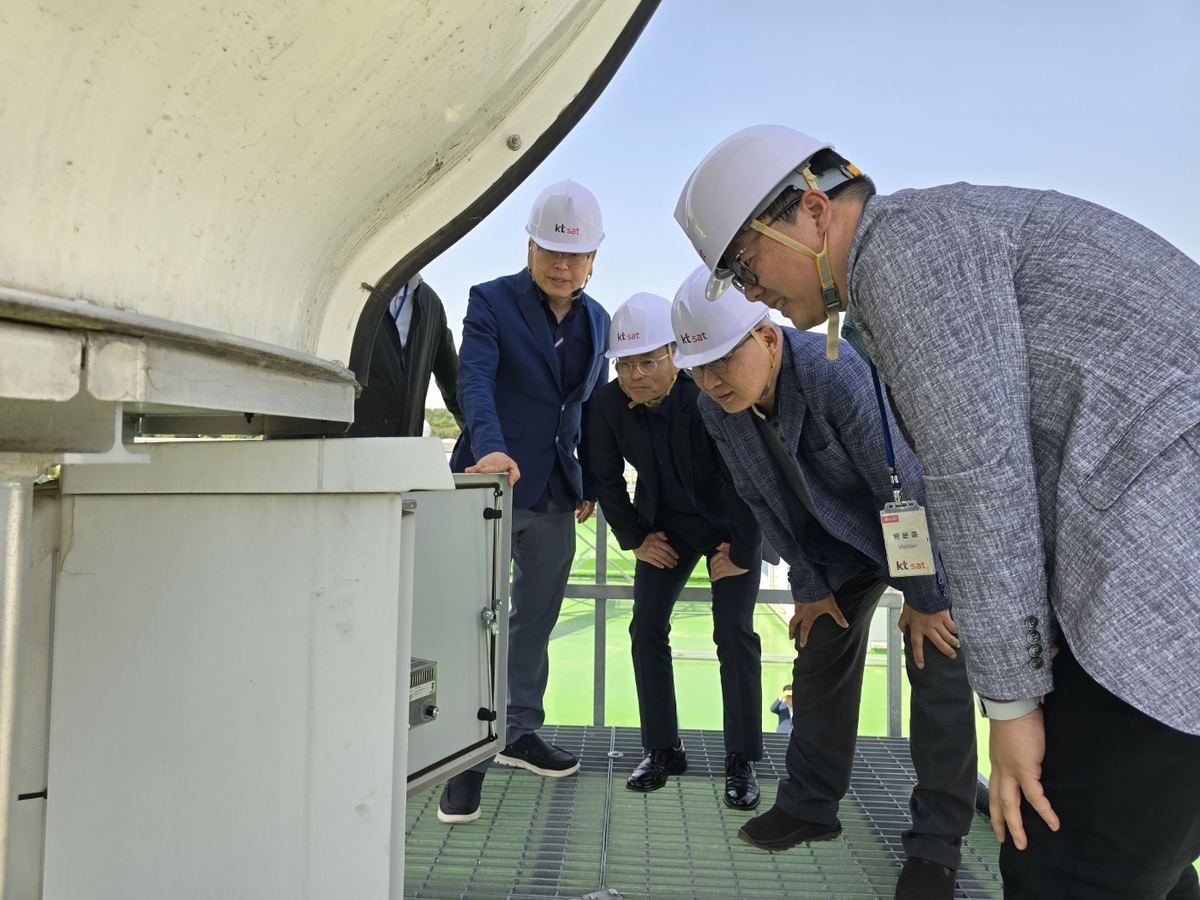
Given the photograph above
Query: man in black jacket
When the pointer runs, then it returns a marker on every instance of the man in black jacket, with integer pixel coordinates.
(411, 342)
(684, 508)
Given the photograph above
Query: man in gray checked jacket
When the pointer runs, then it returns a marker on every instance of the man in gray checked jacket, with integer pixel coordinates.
(803, 440)
(1043, 356)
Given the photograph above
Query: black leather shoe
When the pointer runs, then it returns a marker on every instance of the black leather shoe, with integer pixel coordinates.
(923, 879)
(776, 830)
(532, 753)
(656, 768)
(459, 802)
(741, 783)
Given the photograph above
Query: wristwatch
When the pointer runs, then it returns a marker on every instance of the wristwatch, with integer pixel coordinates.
(1003, 710)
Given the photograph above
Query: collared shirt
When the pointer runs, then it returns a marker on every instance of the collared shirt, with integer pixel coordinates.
(401, 309)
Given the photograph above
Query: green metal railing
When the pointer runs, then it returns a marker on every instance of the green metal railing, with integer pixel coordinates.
(601, 590)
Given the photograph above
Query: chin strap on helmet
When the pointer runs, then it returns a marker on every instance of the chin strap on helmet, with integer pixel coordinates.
(829, 290)
(766, 387)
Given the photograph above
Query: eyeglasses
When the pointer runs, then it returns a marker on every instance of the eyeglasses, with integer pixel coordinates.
(742, 273)
(646, 366)
(718, 367)
(572, 259)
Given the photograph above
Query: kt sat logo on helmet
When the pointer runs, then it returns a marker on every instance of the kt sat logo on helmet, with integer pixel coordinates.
(694, 338)
(563, 229)
(629, 335)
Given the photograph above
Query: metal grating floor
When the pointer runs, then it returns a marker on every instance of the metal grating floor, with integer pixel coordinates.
(569, 837)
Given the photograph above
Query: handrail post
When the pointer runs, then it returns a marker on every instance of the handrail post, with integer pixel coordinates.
(600, 644)
(895, 653)
(16, 523)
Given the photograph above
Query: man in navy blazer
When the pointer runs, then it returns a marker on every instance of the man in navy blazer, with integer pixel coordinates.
(532, 351)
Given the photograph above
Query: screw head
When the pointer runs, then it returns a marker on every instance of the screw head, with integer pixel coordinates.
(514, 142)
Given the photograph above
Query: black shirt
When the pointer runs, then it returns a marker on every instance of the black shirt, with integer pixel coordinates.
(572, 340)
(671, 492)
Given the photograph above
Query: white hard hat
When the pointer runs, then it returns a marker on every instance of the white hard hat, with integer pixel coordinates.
(566, 218)
(706, 330)
(641, 324)
(735, 183)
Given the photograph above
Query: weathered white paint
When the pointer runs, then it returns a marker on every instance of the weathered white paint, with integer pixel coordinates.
(389, 465)
(36, 364)
(243, 166)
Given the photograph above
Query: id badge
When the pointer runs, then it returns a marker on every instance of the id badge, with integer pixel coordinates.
(906, 539)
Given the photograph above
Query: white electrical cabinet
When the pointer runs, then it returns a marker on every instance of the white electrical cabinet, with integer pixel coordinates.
(237, 639)
(258, 649)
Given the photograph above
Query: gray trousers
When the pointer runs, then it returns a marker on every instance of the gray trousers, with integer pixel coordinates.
(543, 548)
(826, 692)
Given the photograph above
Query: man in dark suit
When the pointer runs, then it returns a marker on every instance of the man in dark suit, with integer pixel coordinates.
(684, 508)
(782, 707)
(532, 351)
(412, 342)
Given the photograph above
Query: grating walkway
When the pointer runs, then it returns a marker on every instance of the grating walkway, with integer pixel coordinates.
(570, 837)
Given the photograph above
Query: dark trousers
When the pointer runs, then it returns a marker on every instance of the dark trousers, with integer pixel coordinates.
(826, 693)
(738, 652)
(1126, 789)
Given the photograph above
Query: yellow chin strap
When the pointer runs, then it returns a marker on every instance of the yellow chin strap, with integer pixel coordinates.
(766, 387)
(829, 291)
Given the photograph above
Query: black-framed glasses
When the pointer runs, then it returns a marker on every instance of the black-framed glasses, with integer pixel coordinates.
(719, 366)
(742, 273)
(572, 259)
(647, 366)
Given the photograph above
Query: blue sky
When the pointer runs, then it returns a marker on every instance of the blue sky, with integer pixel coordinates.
(1096, 99)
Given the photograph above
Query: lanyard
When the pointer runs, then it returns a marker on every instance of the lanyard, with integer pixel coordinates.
(403, 297)
(905, 529)
(887, 437)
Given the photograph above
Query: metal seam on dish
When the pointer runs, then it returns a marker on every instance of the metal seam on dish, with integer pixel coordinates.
(61, 312)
